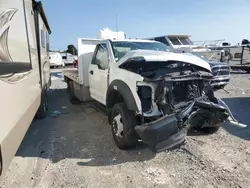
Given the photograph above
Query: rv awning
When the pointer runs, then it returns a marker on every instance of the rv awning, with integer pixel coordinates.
(39, 7)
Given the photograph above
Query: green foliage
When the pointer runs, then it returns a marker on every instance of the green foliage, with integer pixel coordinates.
(72, 49)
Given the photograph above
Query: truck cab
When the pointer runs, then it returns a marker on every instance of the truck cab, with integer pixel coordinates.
(150, 93)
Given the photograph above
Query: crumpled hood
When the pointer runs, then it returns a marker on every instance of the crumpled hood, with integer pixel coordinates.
(151, 55)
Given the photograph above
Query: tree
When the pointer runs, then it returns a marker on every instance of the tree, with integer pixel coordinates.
(72, 49)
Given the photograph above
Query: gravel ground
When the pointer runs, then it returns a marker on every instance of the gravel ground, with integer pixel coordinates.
(76, 149)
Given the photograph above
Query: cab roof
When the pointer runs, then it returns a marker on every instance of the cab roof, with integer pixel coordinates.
(134, 40)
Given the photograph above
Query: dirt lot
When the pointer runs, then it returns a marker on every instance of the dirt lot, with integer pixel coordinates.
(76, 149)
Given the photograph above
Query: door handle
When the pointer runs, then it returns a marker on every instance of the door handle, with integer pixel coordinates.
(91, 72)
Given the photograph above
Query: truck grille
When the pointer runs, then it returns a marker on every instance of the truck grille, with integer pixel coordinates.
(220, 70)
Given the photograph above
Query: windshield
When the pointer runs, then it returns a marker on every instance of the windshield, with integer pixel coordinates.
(120, 48)
(184, 41)
(180, 41)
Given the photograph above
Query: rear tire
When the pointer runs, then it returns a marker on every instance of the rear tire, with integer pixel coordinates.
(210, 130)
(120, 115)
(43, 108)
(72, 97)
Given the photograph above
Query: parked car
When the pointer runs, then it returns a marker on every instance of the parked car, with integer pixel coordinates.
(67, 58)
(55, 60)
(220, 71)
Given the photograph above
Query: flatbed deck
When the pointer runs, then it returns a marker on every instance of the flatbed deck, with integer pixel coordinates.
(72, 74)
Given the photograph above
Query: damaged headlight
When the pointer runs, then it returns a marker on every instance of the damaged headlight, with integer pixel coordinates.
(145, 94)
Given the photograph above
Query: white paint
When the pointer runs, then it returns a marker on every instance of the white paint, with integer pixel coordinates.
(86, 48)
(55, 59)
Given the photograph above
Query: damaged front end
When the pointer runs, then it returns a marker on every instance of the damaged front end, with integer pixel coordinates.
(175, 99)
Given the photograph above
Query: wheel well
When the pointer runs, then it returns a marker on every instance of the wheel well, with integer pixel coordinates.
(113, 98)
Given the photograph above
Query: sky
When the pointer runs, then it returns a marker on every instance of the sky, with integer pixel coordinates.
(202, 19)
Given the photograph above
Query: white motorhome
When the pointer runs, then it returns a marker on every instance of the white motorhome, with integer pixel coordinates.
(24, 72)
(55, 60)
(68, 59)
(238, 55)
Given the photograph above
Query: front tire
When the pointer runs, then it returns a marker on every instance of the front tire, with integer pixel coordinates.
(72, 97)
(123, 122)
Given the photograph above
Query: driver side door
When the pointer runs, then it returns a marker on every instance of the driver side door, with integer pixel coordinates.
(98, 73)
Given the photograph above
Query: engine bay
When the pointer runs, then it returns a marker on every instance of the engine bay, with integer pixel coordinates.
(169, 96)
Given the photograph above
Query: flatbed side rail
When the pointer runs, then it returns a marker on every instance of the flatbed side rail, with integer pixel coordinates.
(72, 75)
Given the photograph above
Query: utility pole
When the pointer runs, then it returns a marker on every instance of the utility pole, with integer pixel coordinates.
(116, 26)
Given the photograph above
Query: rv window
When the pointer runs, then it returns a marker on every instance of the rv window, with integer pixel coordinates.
(184, 40)
(162, 40)
(237, 55)
(174, 40)
(64, 57)
(47, 41)
(43, 39)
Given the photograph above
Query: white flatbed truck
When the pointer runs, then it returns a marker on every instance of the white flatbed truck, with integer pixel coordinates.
(150, 94)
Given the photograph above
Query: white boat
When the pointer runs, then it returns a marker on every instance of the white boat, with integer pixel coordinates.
(183, 43)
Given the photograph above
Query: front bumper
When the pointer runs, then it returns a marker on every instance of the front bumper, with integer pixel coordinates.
(220, 81)
(163, 133)
(171, 130)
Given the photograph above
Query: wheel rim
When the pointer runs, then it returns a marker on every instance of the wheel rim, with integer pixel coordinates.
(118, 126)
